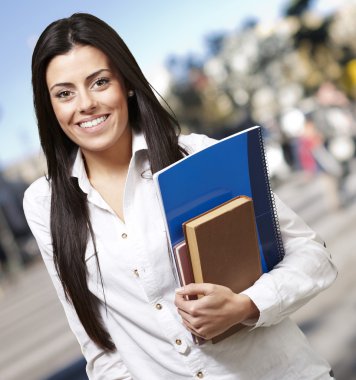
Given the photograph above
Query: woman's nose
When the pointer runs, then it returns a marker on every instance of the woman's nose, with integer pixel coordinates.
(86, 102)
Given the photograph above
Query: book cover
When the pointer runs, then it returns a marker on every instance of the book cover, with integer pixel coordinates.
(231, 167)
(223, 245)
(223, 248)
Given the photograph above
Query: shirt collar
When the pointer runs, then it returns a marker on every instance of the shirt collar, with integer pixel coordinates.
(78, 170)
(138, 142)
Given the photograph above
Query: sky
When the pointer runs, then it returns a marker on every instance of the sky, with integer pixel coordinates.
(152, 29)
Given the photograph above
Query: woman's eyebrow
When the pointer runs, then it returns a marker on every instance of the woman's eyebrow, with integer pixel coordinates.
(63, 84)
(87, 79)
(91, 76)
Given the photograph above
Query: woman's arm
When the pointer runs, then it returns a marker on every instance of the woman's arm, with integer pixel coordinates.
(304, 272)
(101, 365)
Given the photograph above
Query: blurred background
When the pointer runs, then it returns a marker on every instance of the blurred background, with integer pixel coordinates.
(223, 66)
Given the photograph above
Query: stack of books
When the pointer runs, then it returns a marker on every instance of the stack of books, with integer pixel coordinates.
(219, 211)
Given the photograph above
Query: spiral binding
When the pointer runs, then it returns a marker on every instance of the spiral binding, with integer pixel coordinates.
(276, 226)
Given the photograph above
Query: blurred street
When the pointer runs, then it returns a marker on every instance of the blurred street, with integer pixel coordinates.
(35, 338)
(36, 342)
(329, 319)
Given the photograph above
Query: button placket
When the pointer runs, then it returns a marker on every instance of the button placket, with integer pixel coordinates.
(181, 346)
(164, 315)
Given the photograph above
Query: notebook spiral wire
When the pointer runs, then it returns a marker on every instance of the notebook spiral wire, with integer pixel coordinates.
(276, 227)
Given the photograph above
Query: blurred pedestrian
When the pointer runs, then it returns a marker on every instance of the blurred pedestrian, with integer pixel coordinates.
(97, 222)
(13, 223)
(316, 161)
(4, 261)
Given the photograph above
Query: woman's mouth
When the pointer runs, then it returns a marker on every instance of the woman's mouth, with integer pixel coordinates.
(93, 123)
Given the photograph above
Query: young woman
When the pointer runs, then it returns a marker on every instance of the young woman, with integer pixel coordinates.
(98, 225)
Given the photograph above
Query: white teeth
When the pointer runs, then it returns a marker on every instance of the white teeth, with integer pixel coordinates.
(92, 123)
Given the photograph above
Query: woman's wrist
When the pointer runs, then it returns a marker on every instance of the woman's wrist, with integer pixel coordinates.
(248, 309)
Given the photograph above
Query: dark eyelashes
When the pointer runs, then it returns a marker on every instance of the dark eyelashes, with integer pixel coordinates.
(100, 82)
(103, 81)
(62, 94)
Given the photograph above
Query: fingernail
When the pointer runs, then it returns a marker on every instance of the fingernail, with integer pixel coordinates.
(179, 290)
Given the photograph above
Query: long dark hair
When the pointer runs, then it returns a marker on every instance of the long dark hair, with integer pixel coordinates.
(70, 222)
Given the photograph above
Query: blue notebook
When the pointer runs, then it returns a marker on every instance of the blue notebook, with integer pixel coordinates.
(235, 165)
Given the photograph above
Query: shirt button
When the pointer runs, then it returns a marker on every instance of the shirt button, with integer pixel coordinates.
(124, 236)
(178, 342)
(200, 375)
(158, 306)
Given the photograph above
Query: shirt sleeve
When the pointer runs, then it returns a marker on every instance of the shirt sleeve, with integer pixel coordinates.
(305, 271)
(101, 365)
(195, 142)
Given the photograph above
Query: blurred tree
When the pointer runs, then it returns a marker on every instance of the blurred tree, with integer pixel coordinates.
(214, 43)
(320, 57)
(192, 61)
(257, 72)
(316, 34)
(297, 7)
(177, 69)
(249, 23)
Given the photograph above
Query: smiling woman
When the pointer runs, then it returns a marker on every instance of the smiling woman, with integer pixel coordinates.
(90, 103)
(97, 222)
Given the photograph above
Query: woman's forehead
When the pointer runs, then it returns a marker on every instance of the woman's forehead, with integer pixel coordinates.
(78, 63)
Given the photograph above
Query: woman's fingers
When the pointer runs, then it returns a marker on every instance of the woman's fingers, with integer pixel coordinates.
(217, 309)
(192, 324)
(196, 289)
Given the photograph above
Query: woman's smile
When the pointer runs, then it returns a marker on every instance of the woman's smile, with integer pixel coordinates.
(93, 122)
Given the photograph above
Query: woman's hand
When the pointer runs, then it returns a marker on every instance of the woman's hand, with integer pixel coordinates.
(216, 311)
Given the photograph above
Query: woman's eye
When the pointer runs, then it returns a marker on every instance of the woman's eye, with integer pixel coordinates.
(63, 94)
(101, 82)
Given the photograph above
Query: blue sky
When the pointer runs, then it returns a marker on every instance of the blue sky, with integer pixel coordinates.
(152, 29)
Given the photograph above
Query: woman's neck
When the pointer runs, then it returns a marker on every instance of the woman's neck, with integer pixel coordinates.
(111, 162)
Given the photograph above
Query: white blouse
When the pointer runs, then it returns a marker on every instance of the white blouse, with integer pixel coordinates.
(139, 285)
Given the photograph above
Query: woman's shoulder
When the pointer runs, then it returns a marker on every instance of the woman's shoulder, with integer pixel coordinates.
(39, 188)
(37, 209)
(38, 193)
(194, 142)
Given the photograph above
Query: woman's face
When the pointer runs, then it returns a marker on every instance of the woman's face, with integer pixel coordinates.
(88, 99)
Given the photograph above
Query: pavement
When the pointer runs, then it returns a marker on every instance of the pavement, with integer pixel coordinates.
(35, 340)
(329, 319)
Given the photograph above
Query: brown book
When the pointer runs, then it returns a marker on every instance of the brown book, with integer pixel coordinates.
(183, 264)
(223, 248)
